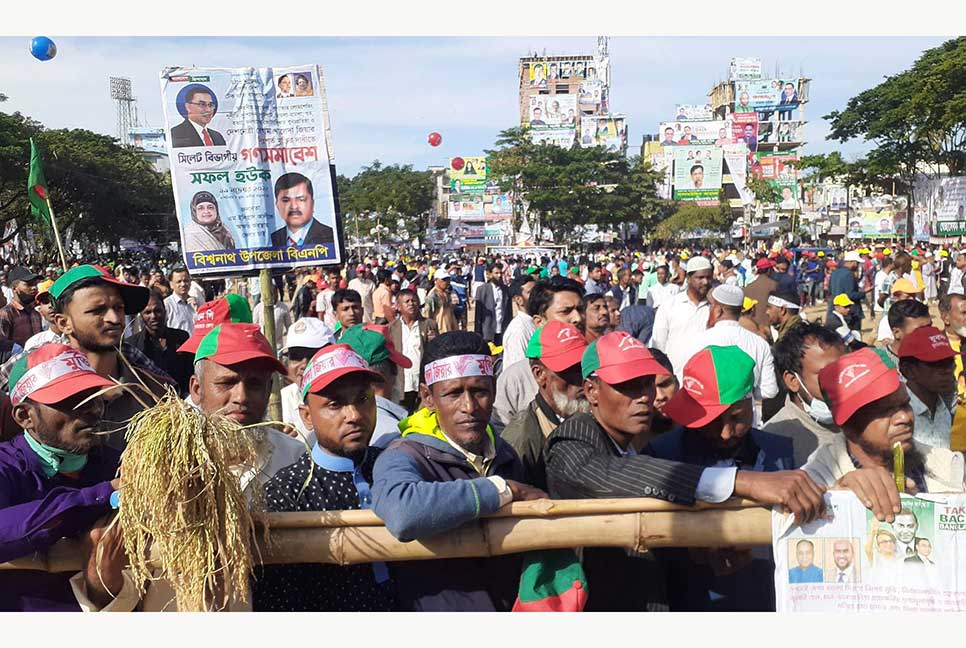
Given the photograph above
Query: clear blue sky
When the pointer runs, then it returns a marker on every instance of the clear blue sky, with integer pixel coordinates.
(387, 93)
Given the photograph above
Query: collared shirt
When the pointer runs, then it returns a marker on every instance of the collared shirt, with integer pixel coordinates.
(676, 325)
(516, 338)
(412, 348)
(291, 399)
(659, 294)
(295, 237)
(498, 307)
(592, 287)
(19, 323)
(198, 129)
(933, 428)
(844, 575)
(181, 315)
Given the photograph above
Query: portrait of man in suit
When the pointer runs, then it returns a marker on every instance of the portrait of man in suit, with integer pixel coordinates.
(200, 106)
(284, 84)
(295, 202)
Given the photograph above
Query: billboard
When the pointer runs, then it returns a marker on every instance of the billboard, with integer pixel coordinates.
(469, 209)
(501, 206)
(562, 137)
(697, 172)
(693, 112)
(783, 132)
(766, 95)
(538, 74)
(736, 157)
(780, 169)
(470, 177)
(609, 131)
(744, 69)
(253, 181)
(877, 223)
(695, 133)
(744, 129)
(552, 111)
(591, 93)
(463, 234)
(148, 139)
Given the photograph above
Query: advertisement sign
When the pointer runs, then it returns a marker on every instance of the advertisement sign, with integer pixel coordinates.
(744, 69)
(470, 209)
(872, 223)
(591, 93)
(695, 133)
(501, 206)
(697, 172)
(254, 186)
(847, 561)
(552, 111)
(470, 177)
(766, 95)
(744, 129)
(148, 139)
(941, 199)
(609, 131)
(736, 159)
(694, 112)
(562, 137)
(783, 132)
(463, 234)
(778, 167)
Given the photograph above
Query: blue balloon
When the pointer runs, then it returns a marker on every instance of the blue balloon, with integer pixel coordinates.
(42, 48)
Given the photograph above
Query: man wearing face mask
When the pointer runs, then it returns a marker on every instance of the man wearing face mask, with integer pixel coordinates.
(715, 409)
(805, 418)
(554, 354)
(18, 319)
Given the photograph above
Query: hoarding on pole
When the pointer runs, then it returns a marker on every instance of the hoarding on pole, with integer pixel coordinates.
(251, 167)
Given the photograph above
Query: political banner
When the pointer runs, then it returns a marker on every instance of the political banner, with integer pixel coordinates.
(943, 199)
(253, 180)
(552, 111)
(850, 562)
(538, 74)
(781, 168)
(590, 93)
(609, 131)
(744, 130)
(876, 223)
(148, 139)
(783, 132)
(501, 206)
(695, 133)
(567, 69)
(463, 234)
(766, 95)
(470, 208)
(467, 175)
(744, 69)
(697, 172)
(694, 112)
(736, 159)
(562, 137)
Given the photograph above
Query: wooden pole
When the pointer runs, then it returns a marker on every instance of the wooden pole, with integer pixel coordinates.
(268, 317)
(60, 246)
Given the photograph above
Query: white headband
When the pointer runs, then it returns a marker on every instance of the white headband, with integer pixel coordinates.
(461, 366)
(47, 372)
(782, 303)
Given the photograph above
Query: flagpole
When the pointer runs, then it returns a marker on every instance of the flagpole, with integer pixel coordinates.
(60, 247)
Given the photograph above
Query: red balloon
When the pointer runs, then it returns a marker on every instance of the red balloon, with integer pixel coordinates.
(435, 139)
(457, 163)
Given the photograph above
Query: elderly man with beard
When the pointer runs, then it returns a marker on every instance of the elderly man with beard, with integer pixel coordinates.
(339, 407)
(592, 456)
(715, 410)
(871, 405)
(57, 478)
(554, 354)
(449, 468)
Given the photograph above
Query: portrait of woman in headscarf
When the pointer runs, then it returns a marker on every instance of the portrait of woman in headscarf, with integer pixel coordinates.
(206, 231)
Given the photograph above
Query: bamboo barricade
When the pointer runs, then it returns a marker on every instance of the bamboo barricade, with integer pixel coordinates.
(350, 537)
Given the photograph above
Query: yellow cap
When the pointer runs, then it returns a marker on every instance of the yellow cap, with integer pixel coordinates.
(821, 254)
(887, 251)
(748, 304)
(944, 253)
(905, 286)
(842, 300)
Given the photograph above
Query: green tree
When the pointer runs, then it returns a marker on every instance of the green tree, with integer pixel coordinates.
(689, 217)
(386, 192)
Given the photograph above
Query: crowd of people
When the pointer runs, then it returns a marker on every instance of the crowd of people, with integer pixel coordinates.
(437, 390)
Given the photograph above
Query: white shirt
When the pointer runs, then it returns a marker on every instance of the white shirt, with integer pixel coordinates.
(677, 325)
(198, 293)
(498, 307)
(844, 575)
(881, 277)
(388, 416)
(365, 288)
(516, 338)
(660, 293)
(323, 307)
(180, 314)
(198, 129)
(283, 319)
(297, 235)
(885, 331)
(291, 399)
(412, 348)
(956, 280)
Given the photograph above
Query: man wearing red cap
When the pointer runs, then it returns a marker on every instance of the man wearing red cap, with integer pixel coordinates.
(760, 288)
(554, 353)
(339, 407)
(449, 468)
(592, 456)
(57, 478)
(871, 405)
(927, 362)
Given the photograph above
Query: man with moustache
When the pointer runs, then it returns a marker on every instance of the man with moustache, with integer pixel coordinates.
(554, 354)
(19, 320)
(295, 202)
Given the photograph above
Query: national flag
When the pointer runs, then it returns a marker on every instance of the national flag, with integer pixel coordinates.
(37, 186)
(552, 580)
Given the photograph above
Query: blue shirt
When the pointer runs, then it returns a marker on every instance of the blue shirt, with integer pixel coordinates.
(797, 575)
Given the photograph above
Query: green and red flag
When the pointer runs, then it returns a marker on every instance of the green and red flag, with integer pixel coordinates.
(37, 186)
(552, 580)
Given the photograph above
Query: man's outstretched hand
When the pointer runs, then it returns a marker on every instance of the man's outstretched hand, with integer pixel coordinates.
(793, 490)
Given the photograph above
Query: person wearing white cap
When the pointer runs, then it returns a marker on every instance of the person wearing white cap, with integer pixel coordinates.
(684, 316)
(303, 341)
(783, 312)
(439, 302)
(724, 330)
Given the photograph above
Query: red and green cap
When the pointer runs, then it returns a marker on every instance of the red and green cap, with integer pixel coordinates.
(230, 309)
(135, 297)
(557, 345)
(372, 342)
(618, 357)
(229, 344)
(330, 364)
(713, 380)
(552, 580)
(53, 373)
(857, 379)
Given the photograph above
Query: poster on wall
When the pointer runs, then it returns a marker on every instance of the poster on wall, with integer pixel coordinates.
(693, 112)
(467, 175)
(744, 129)
(744, 69)
(552, 111)
(251, 169)
(766, 95)
(695, 133)
(697, 173)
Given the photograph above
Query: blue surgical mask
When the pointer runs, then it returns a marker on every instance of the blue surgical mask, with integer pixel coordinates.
(816, 408)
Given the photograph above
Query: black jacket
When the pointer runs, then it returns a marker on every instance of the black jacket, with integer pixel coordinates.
(318, 234)
(184, 135)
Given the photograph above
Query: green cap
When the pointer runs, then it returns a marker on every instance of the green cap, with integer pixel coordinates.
(713, 380)
(372, 344)
(135, 297)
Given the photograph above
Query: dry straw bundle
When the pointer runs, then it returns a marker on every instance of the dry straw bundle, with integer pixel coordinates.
(183, 516)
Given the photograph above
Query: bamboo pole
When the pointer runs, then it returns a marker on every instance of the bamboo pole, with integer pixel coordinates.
(351, 537)
(268, 317)
(53, 223)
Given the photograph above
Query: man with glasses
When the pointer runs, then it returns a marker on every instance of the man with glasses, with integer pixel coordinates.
(200, 107)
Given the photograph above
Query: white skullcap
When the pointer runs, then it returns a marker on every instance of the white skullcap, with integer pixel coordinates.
(728, 295)
(697, 263)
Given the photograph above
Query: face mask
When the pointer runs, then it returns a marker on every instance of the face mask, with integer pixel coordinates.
(816, 408)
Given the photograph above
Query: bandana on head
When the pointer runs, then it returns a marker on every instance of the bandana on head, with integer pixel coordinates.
(46, 372)
(459, 366)
(782, 303)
